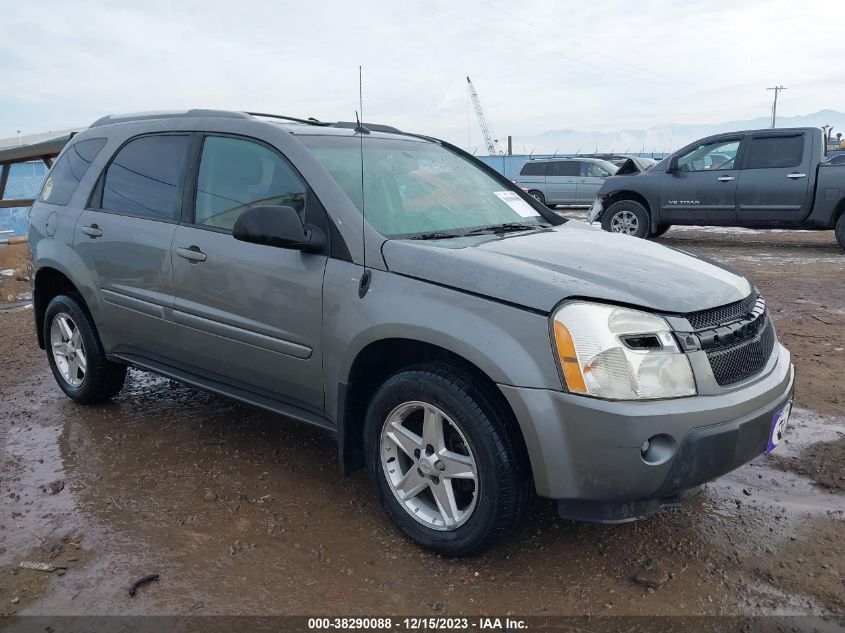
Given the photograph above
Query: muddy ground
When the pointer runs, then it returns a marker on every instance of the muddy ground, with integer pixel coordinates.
(243, 512)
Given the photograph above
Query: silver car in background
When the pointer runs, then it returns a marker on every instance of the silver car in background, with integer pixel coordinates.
(564, 181)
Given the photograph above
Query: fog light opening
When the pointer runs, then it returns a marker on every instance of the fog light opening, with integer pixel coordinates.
(657, 449)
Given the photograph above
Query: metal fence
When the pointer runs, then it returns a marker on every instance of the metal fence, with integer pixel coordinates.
(25, 181)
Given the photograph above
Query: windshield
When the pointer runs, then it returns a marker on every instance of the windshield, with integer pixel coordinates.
(418, 187)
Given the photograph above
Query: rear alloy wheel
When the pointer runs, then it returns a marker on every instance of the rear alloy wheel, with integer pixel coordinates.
(445, 467)
(626, 217)
(840, 230)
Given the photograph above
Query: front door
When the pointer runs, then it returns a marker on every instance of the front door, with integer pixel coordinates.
(125, 239)
(248, 314)
(562, 181)
(703, 189)
(774, 181)
(591, 180)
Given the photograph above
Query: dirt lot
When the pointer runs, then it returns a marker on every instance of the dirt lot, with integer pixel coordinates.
(240, 511)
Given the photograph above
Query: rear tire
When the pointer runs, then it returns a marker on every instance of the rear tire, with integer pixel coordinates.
(76, 355)
(626, 217)
(840, 230)
(491, 496)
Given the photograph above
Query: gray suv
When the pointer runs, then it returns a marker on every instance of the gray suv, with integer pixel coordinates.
(564, 181)
(464, 344)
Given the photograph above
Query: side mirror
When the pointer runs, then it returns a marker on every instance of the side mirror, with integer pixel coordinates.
(276, 225)
(672, 167)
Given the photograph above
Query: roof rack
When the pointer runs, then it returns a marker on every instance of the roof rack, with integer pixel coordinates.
(146, 116)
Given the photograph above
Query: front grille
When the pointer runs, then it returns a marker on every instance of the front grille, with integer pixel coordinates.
(722, 315)
(744, 359)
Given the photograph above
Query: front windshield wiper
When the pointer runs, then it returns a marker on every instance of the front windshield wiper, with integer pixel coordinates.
(505, 228)
(435, 235)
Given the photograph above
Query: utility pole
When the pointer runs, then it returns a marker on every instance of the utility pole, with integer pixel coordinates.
(777, 89)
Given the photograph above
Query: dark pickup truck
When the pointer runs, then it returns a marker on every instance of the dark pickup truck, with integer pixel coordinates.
(776, 178)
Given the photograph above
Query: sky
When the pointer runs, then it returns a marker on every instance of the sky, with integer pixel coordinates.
(538, 65)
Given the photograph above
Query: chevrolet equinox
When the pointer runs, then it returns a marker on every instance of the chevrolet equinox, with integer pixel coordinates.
(466, 345)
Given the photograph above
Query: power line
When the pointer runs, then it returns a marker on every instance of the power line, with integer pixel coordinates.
(777, 89)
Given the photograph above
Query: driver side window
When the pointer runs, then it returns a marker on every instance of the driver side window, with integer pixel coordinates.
(710, 156)
(235, 175)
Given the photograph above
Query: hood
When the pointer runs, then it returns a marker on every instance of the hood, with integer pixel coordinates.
(539, 269)
(635, 165)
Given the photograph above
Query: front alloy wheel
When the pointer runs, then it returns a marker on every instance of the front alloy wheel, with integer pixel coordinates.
(624, 222)
(429, 465)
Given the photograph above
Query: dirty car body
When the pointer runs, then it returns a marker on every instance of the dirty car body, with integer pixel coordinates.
(468, 351)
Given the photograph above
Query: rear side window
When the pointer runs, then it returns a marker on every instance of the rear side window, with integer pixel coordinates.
(533, 169)
(776, 151)
(565, 168)
(145, 176)
(69, 170)
(236, 174)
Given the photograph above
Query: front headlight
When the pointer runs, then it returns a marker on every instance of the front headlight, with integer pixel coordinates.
(619, 353)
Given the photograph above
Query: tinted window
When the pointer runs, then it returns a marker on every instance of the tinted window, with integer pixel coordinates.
(710, 156)
(776, 151)
(533, 169)
(144, 177)
(69, 170)
(565, 168)
(236, 174)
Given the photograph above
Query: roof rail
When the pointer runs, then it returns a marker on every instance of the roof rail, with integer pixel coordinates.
(308, 121)
(146, 116)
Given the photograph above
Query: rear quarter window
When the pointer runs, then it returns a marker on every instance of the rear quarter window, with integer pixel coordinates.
(69, 170)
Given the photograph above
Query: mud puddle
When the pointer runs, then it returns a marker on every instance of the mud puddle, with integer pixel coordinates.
(243, 512)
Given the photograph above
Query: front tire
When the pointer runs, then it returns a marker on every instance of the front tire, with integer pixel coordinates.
(626, 217)
(840, 230)
(76, 355)
(444, 465)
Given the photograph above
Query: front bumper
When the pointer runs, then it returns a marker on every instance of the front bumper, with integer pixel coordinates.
(586, 449)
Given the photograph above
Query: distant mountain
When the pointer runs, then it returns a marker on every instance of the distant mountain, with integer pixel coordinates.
(661, 138)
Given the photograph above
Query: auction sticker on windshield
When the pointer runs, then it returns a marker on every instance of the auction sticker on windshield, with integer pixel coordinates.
(779, 426)
(517, 204)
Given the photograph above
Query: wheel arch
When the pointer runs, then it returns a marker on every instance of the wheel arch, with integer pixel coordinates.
(49, 283)
(628, 194)
(381, 358)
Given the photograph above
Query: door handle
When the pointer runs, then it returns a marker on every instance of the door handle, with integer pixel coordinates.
(92, 230)
(192, 253)
(795, 176)
(726, 178)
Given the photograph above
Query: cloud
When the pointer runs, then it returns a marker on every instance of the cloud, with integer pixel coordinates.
(539, 65)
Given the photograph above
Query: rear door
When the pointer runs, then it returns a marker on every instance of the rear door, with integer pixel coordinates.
(703, 190)
(124, 238)
(248, 314)
(774, 182)
(562, 181)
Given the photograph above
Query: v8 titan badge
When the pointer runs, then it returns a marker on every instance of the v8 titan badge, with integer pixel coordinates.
(779, 426)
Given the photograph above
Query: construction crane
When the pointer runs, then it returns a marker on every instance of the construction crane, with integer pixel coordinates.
(482, 120)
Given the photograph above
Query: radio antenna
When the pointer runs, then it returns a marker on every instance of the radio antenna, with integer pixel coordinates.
(360, 130)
